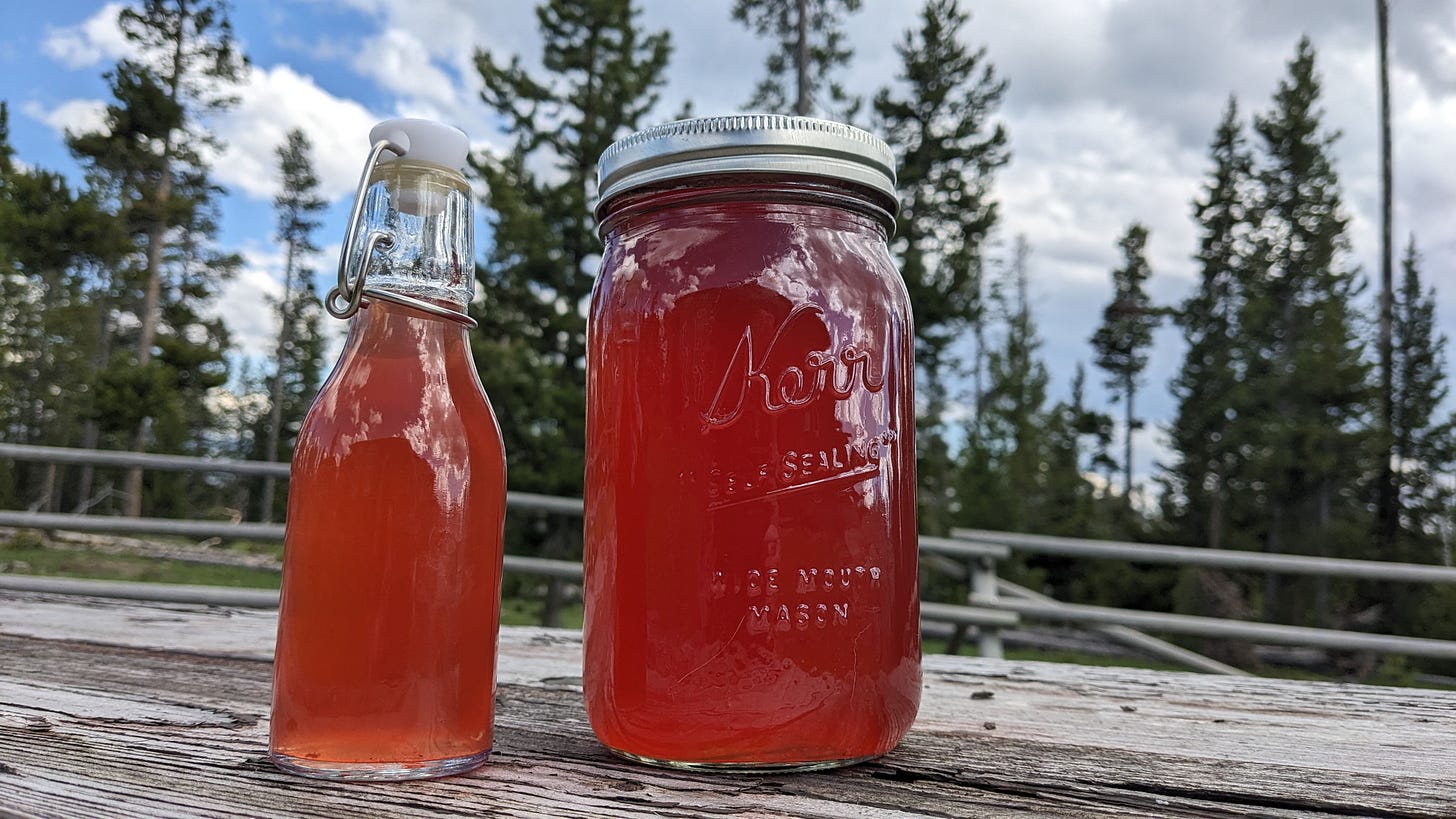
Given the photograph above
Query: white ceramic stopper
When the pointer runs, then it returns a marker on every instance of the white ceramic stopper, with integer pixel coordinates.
(425, 140)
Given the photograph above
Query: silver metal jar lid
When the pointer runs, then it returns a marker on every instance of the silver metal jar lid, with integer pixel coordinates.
(744, 144)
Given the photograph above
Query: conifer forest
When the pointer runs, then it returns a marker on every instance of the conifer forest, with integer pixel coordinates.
(1312, 416)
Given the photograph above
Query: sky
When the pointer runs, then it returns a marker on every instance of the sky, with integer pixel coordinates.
(1110, 110)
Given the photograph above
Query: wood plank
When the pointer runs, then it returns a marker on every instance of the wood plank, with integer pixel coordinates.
(117, 708)
(230, 632)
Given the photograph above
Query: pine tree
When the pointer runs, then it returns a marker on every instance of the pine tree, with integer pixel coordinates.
(809, 44)
(149, 156)
(1002, 475)
(603, 76)
(1124, 337)
(1094, 438)
(1305, 405)
(1206, 456)
(52, 242)
(1066, 506)
(1424, 458)
(1424, 443)
(1204, 499)
(192, 359)
(1022, 468)
(948, 154)
(298, 356)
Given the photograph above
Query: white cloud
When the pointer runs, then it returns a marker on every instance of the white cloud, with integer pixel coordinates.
(274, 101)
(1082, 175)
(248, 301)
(424, 55)
(400, 63)
(89, 42)
(1423, 131)
(73, 116)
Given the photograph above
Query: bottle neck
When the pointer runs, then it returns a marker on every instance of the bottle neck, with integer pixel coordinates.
(425, 214)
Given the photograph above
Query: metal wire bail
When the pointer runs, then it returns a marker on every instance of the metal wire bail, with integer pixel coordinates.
(348, 294)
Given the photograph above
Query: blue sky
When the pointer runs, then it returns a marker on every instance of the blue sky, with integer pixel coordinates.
(1110, 109)
(53, 55)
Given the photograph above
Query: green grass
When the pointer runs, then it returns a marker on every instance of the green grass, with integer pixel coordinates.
(516, 611)
(27, 553)
(67, 563)
(256, 547)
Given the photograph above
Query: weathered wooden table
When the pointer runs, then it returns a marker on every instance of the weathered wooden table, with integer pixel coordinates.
(117, 708)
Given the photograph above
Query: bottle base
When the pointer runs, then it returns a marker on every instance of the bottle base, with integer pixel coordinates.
(742, 767)
(377, 771)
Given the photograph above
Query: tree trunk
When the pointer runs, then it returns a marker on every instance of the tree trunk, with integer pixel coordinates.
(1216, 511)
(1322, 537)
(1387, 513)
(551, 604)
(91, 431)
(978, 331)
(1273, 582)
(1231, 603)
(1127, 450)
(147, 336)
(275, 411)
(804, 104)
(90, 436)
(58, 489)
(45, 500)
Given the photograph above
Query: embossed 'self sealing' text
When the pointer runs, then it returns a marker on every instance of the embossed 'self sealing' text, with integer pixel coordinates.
(794, 469)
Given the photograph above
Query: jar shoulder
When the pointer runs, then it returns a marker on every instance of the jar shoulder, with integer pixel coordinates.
(839, 268)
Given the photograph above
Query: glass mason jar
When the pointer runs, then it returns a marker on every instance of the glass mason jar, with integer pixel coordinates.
(385, 665)
(751, 564)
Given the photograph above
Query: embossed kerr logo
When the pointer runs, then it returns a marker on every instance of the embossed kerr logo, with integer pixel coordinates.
(749, 376)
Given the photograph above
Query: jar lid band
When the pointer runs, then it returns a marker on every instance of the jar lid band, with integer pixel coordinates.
(746, 144)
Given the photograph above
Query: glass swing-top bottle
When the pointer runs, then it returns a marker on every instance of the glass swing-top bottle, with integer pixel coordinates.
(385, 666)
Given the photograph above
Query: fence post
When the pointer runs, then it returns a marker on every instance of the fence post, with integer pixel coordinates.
(983, 593)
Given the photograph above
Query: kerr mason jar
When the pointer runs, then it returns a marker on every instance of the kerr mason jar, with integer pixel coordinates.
(751, 589)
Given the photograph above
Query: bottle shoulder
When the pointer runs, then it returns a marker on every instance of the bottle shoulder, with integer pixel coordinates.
(375, 400)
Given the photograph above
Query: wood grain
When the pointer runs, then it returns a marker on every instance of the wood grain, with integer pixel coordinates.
(124, 709)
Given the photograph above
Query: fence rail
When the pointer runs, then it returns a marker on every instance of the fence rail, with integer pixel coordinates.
(1216, 558)
(994, 604)
(193, 463)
